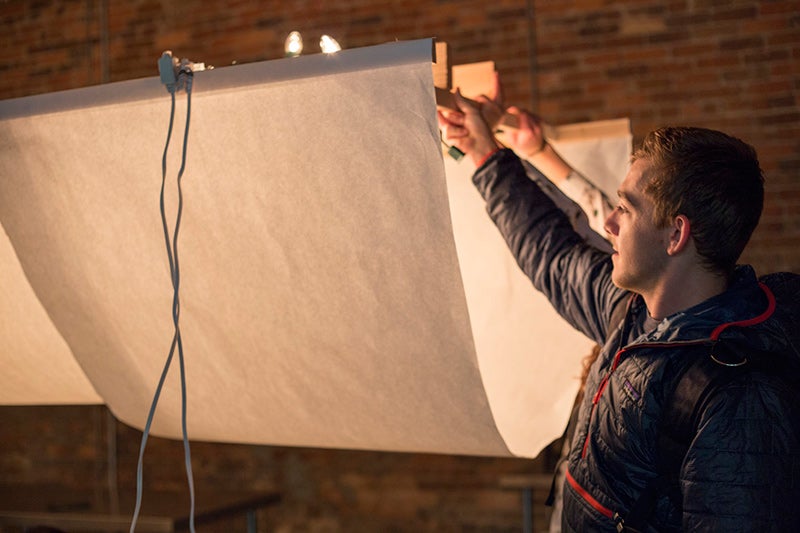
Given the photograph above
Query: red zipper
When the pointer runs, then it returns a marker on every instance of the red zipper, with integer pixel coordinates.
(602, 509)
(596, 398)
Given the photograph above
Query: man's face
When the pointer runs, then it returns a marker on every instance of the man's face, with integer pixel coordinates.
(639, 246)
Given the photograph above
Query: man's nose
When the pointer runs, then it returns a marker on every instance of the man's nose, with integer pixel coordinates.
(610, 225)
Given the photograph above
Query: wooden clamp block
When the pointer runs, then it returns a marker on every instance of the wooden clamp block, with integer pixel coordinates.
(473, 80)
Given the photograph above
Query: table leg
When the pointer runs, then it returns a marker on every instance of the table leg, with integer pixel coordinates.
(527, 510)
(252, 521)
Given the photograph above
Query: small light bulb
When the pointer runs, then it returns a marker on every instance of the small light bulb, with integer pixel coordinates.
(328, 45)
(293, 45)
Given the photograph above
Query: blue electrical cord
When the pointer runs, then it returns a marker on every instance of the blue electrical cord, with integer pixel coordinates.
(185, 78)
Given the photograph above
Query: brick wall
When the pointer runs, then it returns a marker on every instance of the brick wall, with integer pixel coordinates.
(66, 459)
(731, 65)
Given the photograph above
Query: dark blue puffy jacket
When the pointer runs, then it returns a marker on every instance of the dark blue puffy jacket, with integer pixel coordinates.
(742, 470)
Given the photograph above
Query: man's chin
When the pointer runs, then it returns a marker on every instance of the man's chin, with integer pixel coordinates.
(617, 280)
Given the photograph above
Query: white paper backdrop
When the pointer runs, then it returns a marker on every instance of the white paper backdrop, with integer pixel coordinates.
(327, 296)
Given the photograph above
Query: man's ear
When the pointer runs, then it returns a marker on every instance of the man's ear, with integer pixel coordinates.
(679, 235)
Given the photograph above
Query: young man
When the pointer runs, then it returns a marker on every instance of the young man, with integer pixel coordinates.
(686, 210)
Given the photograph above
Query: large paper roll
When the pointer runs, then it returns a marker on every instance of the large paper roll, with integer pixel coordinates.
(328, 299)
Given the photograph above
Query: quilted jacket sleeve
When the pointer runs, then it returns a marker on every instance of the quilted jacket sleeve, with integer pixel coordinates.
(573, 275)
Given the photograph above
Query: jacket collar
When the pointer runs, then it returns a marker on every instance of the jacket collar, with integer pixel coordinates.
(745, 303)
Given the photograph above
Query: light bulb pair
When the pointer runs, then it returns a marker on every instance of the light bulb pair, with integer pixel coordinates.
(293, 46)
